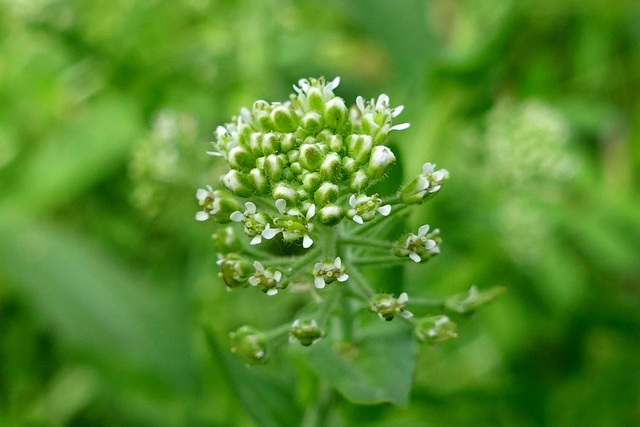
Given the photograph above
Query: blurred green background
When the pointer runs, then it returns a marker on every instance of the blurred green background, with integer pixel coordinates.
(107, 282)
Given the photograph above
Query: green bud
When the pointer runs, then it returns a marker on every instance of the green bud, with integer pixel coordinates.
(261, 114)
(255, 143)
(470, 301)
(312, 122)
(269, 143)
(328, 192)
(226, 240)
(386, 306)
(284, 119)
(288, 143)
(330, 167)
(359, 147)
(335, 113)
(424, 186)
(238, 183)
(336, 144)
(310, 156)
(331, 214)
(435, 329)
(296, 168)
(235, 272)
(349, 165)
(259, 180)
(215, 204)
(315, 99)
(380, 161)
(305, 331)
(286, 192)
(311, 181)
(250, 345)
(358, 181)
(241, 158)
(293, 156)
(273, 167)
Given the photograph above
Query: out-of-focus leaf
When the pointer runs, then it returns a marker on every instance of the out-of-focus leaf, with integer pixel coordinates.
(377, 368)
(75, 158)
(264, 397)
(97, 307)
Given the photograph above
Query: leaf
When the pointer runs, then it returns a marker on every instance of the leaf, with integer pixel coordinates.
(96, 307)
(266, 398)
(379, 367)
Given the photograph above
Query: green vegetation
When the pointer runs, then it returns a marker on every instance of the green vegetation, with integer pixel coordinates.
(111, 309)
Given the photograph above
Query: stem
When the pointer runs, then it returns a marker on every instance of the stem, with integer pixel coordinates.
(359, 280)
(366, 242)
(346, 318)
(379, 261)
(430, 303)
(278, 332)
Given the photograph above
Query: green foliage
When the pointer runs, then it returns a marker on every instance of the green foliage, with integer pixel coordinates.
(106, 109)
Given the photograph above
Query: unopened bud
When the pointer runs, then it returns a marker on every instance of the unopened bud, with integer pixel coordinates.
(226, 240)
(359, 147)
(241, 158)
(238, 183)
(327, 193)
(435, 329)
(358, 181)
(330, 167)
(331, 214)
(250, 345)
(235, 272)
(273, 167)
(311, 181)
(284, 119)
(335, 113)
(269, 143)
(310, 156)
(259, 180)
(312, 123)
(381, 159)
(386, 306)
(470, 301)
(305, 331)
(286, 192)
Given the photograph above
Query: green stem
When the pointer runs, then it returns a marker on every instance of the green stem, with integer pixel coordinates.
(361, 282)
(379, 261)
(428, 303)
(346, 317)
(366, 242)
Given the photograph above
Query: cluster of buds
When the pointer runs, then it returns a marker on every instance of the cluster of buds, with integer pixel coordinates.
(297, 188)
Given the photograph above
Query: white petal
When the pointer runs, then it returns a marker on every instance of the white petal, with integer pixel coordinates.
(407, 314)
(272, 292)
(220, 261)
(401, 126)
(396, 111)
(435, 250)
(281, 204)
(201, 194)
(307, 241)
(337, 263)
(423, 230)
(428, 167)
(269, 233)
(360, 103)
(403, 298)
(251, 207)
(343, 277)
(215, 153)
(358, 220)
(311, 212)
(237, 216)
(334, 83)
(352, 200)
(256, 240)
(414, 257)
(318, 266)
(277, 276)
(434, 189)
(430, 244)
(258, 266)
(253, 281)
(202, 216)
(383, 100)
(319, 282)
(385, 210)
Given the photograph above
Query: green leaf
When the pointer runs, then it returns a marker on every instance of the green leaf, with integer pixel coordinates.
(265, 397)
(377, 368)
(96, 307)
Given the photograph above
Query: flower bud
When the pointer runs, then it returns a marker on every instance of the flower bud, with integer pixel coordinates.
(288, 143)
(261, 115)
(335, 144)
(425, 185)
(310, 156)
(215, 204)
(331, 214)
(226, 240)
(349, 165)
(330, 167)
(241, 158)
(238, 183)
(234, 272)
(358, 181)
(284, 119)
(259, 180)
(327, 193)
(315, 99)
(359, 147)
(305, 331)
(470, 301)
(311, 181)
(273, 167)
(435, 329)
(335, 113)
(255, 141)
(312, 122)
(250, 345)
(386, 306)
(269, 143)
(286, 192)
(380, 161)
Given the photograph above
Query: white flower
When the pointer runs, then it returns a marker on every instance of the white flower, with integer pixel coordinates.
(292, 224)
(268, 279)
(328, 272)
(363, 207)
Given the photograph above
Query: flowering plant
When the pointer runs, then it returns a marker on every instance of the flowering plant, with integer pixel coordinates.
(299, 189)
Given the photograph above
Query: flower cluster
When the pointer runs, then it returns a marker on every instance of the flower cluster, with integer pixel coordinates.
(298, 189)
